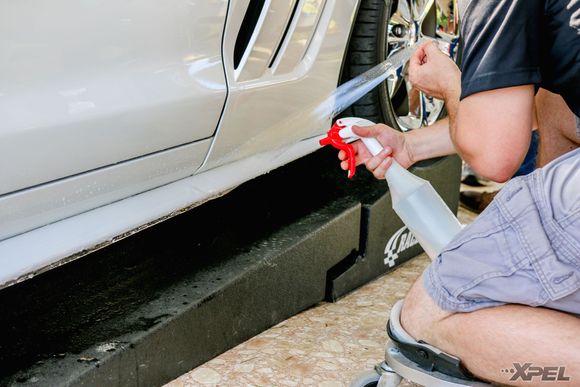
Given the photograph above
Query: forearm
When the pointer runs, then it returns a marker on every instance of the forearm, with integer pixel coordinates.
(429, 142)
(437, 139)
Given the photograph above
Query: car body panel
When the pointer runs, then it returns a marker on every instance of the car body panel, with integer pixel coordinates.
(46, 225)
(28, 254)
(104, 82)
(47, 203)
(285, 102)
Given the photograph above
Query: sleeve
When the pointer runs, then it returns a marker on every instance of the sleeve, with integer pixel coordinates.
(501, 44)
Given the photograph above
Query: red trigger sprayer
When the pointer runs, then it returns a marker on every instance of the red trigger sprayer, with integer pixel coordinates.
(414, 199)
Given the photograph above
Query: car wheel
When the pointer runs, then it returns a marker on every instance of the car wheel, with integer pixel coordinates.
(384, 27)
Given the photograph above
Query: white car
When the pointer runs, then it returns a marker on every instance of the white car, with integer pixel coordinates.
(116, 115)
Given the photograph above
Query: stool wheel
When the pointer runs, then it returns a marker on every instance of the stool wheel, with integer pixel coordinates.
(366, 379)
(386, 378)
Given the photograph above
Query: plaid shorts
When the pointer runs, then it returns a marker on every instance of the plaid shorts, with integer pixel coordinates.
(523, 249)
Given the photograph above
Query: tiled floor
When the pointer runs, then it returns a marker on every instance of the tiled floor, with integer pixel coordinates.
(325, 346)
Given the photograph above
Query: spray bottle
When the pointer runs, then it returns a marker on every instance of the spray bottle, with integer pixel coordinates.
(414, 199)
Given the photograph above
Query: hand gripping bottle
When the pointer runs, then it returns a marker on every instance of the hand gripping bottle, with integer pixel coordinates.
(414, 199)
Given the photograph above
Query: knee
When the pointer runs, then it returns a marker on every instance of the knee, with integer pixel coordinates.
(420, 315)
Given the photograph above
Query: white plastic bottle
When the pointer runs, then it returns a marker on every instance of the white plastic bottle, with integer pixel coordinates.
(414, 199)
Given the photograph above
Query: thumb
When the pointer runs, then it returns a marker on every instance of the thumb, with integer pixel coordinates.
(431, 49)
(366, 131)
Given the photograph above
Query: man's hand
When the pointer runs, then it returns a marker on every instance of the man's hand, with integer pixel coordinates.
(434, 73)
(392, 140)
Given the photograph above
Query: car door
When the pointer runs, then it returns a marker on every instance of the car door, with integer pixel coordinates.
(89, 88)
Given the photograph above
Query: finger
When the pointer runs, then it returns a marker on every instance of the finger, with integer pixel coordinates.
(374, 162)
(361, 155)
(342, 155)
(418, 57)
(414, 71)
(414, 75)
(360, 149)
(422, 50)
(381, 170)
(362, 159)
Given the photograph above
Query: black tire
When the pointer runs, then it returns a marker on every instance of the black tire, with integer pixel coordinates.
(368, 47)
(368, 35)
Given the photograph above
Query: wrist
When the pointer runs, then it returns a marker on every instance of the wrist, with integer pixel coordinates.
(429, 142)
(410, 146)
(453, 90)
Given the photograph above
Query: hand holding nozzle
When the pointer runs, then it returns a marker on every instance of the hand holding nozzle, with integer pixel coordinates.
(414, 199)
(376, 156)
(341, 134)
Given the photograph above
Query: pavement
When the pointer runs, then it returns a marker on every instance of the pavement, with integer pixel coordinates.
(324, 346)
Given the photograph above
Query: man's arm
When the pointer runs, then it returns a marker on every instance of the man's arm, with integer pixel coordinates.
(491, 129)
(406, 148)
(431, 141)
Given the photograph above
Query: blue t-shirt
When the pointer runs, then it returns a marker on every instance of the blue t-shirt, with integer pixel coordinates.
(520, 42)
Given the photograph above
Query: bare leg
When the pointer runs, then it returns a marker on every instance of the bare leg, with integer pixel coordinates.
(556, 125)
(490, 340)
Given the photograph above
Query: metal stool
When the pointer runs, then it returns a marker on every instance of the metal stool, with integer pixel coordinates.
(416, 361)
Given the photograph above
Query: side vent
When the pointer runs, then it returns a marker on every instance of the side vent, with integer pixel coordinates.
(247, 29)
(283, 39)
(300, 33)
(275, 35)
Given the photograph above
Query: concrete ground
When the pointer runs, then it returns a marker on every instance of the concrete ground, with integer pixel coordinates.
(324, 346)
